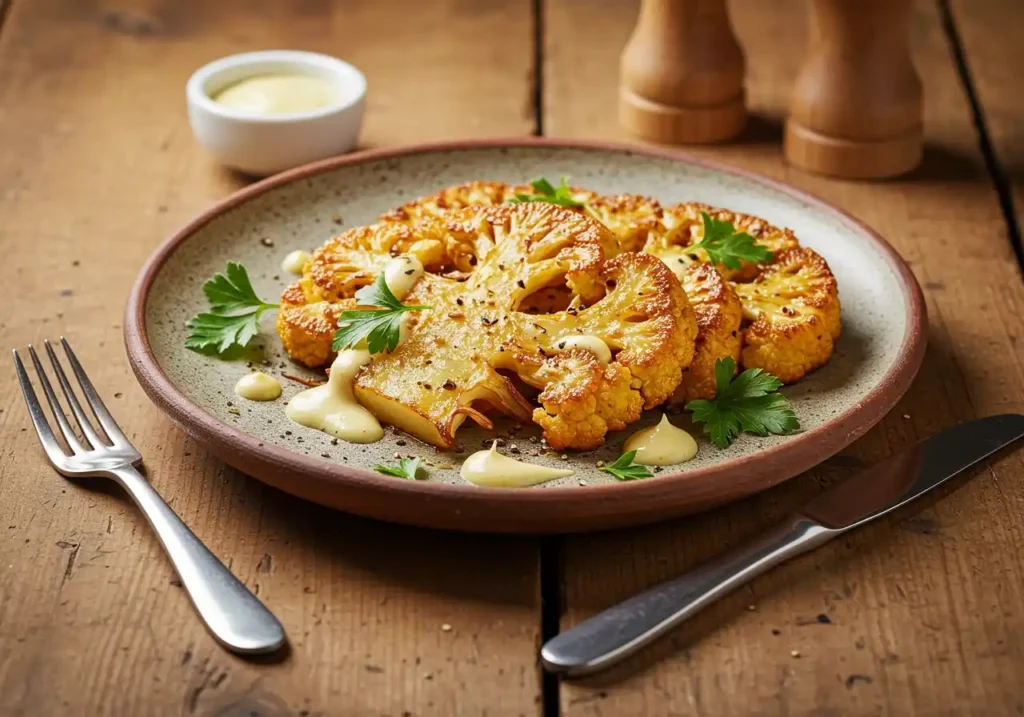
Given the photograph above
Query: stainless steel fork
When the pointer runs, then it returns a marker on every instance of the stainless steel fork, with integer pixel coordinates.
(234, 615)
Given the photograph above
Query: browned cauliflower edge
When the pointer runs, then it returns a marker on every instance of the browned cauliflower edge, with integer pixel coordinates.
(719, 315)
(793, 310)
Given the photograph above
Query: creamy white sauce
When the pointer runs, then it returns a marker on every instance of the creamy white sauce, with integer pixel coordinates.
(258, 386)
(280, 93)
(490, 469)
(588, 343)
(676, 258)
(333, 407)
(295, 262)
(661, 445)
(401, 273)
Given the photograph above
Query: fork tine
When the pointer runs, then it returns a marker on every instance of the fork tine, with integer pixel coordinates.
(95, 402)
(53, 449)
(51, 398)
(76, 407)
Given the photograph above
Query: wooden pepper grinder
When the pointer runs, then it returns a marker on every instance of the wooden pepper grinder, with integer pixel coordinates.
(856, 106)
(681, 74)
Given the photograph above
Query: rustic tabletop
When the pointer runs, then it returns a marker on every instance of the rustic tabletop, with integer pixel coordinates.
(919, 613)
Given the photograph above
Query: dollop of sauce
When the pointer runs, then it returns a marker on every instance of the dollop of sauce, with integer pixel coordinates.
(588, 343)
(295, 262)
(258, 386)
(490, 469)
(661, 445)
(279, 93)
(401, 273)
(332, 407)
(675, 258)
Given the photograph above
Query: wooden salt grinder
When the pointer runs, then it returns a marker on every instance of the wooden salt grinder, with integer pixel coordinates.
(856, 106)
(681, 74)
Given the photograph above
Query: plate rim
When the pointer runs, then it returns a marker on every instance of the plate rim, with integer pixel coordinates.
(502, 509)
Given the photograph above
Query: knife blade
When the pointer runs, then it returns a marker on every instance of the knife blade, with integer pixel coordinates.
(612, 635)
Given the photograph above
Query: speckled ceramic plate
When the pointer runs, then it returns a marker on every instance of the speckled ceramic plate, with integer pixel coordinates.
(876, 359)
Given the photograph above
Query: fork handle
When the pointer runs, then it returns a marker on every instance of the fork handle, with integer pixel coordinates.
(619, 631)
(236, 617)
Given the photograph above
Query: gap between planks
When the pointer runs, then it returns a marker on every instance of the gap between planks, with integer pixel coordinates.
(550, 546)
(550, 617)
(537, 7)
(1000, 179)
(5, 9)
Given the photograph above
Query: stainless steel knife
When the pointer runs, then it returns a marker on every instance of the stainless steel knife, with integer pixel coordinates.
(612, 635)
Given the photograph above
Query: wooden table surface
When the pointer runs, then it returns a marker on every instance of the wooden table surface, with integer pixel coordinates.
(921, 613)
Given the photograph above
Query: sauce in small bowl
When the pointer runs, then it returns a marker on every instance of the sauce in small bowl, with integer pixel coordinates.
(264, 112)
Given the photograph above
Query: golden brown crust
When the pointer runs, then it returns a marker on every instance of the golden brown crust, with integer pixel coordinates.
(793, 312)
(459, 196)
(719, 314)
(630, 217)
(307, 329)
(683, 225)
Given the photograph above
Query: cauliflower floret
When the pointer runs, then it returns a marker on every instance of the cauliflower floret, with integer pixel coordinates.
(630, 217)
(683, 226)
(458, 197)
(307, 328)
(336, 271)
(793, 310)
(352, 260)
(645, 319)
(583, 400)
(719, 315)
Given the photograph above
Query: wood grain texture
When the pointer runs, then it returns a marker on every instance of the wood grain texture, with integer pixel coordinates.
(921, 613)
(990, 34)
(97, 165)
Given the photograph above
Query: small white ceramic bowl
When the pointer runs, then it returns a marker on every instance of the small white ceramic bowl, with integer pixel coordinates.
(266, 144)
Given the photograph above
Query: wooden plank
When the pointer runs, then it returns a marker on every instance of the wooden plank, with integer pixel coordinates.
(989, 31)
(924, 610)
(96, 166)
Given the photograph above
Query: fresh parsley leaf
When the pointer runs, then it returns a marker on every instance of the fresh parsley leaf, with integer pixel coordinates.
(625, 469)
(231, 291)
(745, 404)
(727, 246)
(547, 192)
(219, 333)
(381, 328)
(234, 316)
(406, 468)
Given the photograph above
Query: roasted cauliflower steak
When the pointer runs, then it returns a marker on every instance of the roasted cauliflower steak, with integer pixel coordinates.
(476, 352)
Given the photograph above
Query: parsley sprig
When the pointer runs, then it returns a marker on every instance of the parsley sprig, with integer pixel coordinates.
(745, 404)
(625, 469)
(234, 316)
(406, 468)
(545, 191)
(725, 245)
(381, 327)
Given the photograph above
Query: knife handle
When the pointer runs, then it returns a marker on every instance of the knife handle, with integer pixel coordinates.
(620, 631)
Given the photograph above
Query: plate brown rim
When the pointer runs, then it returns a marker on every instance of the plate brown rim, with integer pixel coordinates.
(502, 509)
